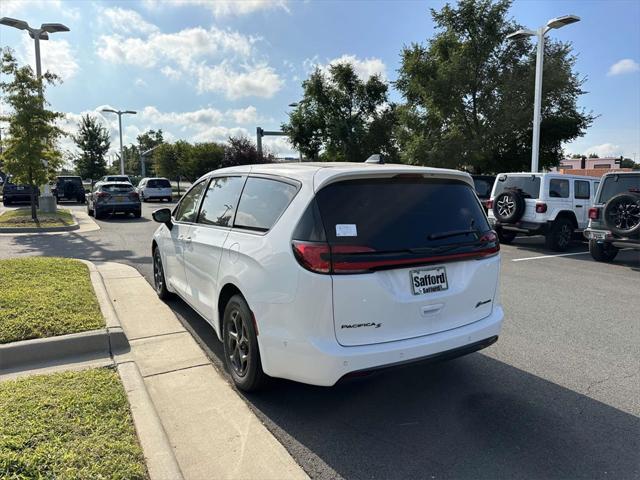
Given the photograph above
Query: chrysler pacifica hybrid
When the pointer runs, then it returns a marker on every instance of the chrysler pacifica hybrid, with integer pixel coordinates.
(312, 272)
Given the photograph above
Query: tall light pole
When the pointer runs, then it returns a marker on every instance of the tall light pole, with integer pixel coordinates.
(37, 34)
(557, 22)
(120, 113)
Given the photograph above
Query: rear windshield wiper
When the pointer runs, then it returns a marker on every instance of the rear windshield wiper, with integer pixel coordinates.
(453, 233)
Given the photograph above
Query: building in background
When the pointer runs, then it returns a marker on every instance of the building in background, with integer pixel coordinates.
(590, 167)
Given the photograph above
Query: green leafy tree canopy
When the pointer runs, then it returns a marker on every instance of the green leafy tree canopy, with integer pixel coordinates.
(93, 140)
(342, 116)
(469, 93)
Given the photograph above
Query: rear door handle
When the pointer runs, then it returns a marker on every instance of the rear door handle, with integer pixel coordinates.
(578, 206)
(187, 239)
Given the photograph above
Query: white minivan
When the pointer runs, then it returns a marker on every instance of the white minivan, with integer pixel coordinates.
(316, 271)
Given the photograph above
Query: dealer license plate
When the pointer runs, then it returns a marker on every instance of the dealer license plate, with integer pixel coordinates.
(429, 280)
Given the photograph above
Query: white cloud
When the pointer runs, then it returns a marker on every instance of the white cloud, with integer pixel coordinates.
(139, 82)
(364, 68)
(604, 150)
(12, 8)
(217, 60)
(56, 57)
(625, 65)
(225, 8)
(124, 20)
(258, 80)
(171, 73)
(219, 134)
(245, 115)
(198, 119)
(183, 47)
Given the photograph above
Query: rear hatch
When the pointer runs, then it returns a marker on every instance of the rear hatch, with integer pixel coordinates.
(410, 256)
(117, 194)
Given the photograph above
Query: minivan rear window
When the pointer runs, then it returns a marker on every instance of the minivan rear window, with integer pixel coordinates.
(158, 184)
(394, 215)
(529, 185)
(616, 184)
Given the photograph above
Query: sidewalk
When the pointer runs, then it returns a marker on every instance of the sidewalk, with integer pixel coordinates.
(213, 432)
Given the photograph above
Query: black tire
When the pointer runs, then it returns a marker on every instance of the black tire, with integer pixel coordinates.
(6, 203)
(508, 207)
(506, 236)
(97, 214)
(159, 281)
(137, 213)
(559, 236)
(241, 353)
(89, 211)
(602, 252)
(622, 214)
(142, 199)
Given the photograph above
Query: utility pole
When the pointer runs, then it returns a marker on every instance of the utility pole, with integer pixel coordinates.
(120, 113)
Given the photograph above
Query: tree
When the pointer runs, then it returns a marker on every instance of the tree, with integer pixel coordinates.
(628, 163)
(242, 151)
(30, 155)
(93, 141)
(469, 94)
(202, 158)
(342, 116)
(594, 155)
(146, 141)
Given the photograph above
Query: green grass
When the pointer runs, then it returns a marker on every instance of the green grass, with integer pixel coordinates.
(21, 217)
(44, 297)
(69, 425)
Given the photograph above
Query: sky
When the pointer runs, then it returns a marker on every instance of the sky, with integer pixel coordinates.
(202, 70)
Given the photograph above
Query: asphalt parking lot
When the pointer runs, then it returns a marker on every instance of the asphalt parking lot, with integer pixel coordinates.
(557, 397)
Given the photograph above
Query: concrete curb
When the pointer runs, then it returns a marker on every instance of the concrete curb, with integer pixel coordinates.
(158, 453)
(39, 350)
(103, 342)
(67, 228)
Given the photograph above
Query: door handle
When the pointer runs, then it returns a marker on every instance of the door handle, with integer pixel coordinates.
(578, 206)
(187, 239)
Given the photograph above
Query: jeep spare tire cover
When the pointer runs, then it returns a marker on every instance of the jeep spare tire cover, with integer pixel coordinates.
(508, 207)
(622, 214)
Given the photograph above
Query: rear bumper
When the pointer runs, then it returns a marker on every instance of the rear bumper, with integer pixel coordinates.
(118, 208)
(527, 228)
(605, 236)
(324, 362)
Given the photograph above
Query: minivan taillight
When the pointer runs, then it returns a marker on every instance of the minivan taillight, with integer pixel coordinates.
(541, 207)
(594, 213)
(314, 256)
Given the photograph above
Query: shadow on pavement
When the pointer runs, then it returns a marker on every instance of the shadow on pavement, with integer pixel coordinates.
(76, 245)
(474, 417)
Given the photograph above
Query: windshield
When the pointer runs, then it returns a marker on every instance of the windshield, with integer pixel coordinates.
(483, 186)
(394, 214)
(615, 184)
(529, 185)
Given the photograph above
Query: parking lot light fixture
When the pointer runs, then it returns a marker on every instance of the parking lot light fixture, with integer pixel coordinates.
(554, 23)
(120, 113)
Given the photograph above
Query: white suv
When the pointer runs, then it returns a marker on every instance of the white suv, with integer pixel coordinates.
(314, 271)
(154, 188)
(550, 204)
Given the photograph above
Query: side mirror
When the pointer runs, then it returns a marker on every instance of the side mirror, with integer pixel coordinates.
(163, 215)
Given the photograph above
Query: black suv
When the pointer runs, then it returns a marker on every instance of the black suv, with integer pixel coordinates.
(69, 188)
(614, 219)
(13, 193)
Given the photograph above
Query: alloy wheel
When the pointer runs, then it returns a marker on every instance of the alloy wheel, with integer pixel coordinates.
(626, 215)
(158, 274)
(506, 206)
(238, 349)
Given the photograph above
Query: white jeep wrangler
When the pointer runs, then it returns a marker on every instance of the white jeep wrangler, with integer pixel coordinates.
(550, 204)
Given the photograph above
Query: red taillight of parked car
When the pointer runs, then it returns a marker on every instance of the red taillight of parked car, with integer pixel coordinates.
(134, 195)
(102, 195)
(489, 204)
(541, 207)
(594, 213)
(313, 256)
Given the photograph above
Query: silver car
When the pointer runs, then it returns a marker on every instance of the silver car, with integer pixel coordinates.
(114, 197)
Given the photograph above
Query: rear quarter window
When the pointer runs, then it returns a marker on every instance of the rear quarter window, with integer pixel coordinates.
(262, 202)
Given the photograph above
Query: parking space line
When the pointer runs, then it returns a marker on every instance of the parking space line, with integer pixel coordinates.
(548, 256)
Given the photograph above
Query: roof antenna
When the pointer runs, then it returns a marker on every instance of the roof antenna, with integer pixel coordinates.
(375, 158)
